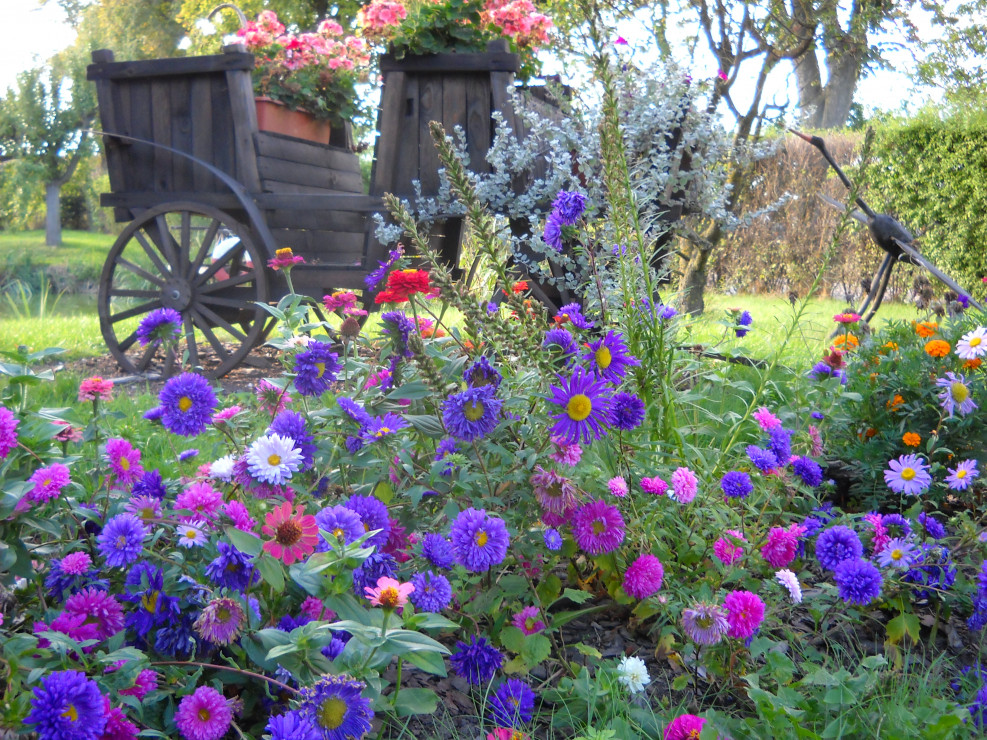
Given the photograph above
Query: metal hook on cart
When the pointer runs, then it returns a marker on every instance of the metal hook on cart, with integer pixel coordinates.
(241, 16)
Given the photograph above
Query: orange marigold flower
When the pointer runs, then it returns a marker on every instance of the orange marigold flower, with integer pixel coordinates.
(873, 377)
(895, 402)
(973, 364)
(937, 348)
(871, 431)
(926, 329)
(911, 439)
(893, 346)
(849, 340)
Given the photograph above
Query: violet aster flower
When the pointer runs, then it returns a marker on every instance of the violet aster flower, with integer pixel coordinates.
(908, 475)
(438, 551)
(955, 395)
(859, 581)
(432, 593)
(482, 374)
(188, 402)
(552, 235)
(960, 477)
(705, 624)
(354, 410)
(203, 715)
(67, 706)
(161, 325)
(316, 368)
(221, 621)
(598, 527)
(292, 726)
(144, 588)
(569, 205)
(608, 358)
(743, 323)
(373, 513)
(232, 568)
(933, 527)
(898, 554)
(585, 407)
(552, 539)
(371, 570)
(373, 278)
(292, 424)
(122, 540)
(513, 704)
(780, 443)
(471, 414)
(479, 541)
(382, 426)
(573, 313)
(477, 661)
(763, 460)
(341, 523)
(627, 411)
(837, 544)
(736, 484)
(562, 340)
(808, 471)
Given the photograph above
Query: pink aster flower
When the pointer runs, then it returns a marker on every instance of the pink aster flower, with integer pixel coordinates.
(90, 614)
(224, 415)
(389, 593)
(8, 431)
(643, 577)
(685, 727)
(726, 551)
(745, 612)
(766, 419)
(817, 443)
(315, 610)
(555, 493)
(76, 563)
(95, 388)
(879, 536)
(566, 454)
(48, 483)
(782, 544)
(598, 527)
(705, 624)
(239, 515)
(125, 461)
(203, 715)
(145, 508)
(684, 485)
(655, 486)
(527, 620)
(144, 684)
(617, 486)
(270, 398)
(201, 499)
(790, 581)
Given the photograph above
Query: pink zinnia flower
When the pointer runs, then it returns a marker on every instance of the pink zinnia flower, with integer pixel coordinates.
(684, 485)
(643, 577)
(527, 620)
(95, 388)
(745, 612)
(48, 483)
(76, 563)
(201, 499)
(766, 419)
(67, 433)
(203, 715)
(655, 486)
(295, 533)
(389, 593)
(685, 727)
(782, 545)
(124, 460)
(617, 486)
(726, 551)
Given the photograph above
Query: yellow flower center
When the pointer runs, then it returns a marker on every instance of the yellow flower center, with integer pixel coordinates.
(125, 464)
(223, 614)
(147, 513)
(473, 411)
(47, 482)
(961, 474)
(150, 602)
(959, 391)
(897, 554)
(284, 253)
(184, 403)
(389, 598)
(529, 623)
(975, 341)
(322, 369)
(191, 534)
(332, 712)
(121, 542)
(71, 713)
(382, 431)
(579, 407)
(599, 527)
(337, 533)
(481, 538)
(907, 473)
(603, 358)
(273, 459)
(204, 714)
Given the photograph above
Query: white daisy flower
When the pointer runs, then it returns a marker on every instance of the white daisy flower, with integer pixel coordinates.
(191, 534)
(222, 469)
(273, 459)
(972, 344)
(790, 581)
(633, 674)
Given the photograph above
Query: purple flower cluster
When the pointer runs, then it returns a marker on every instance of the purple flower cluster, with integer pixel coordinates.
(479, 541)
(472, 414)
(477, 661)
(161, 325)
(187, 403)
(316, 368)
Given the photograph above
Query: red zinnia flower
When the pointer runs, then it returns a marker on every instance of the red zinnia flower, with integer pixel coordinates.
(295, 533)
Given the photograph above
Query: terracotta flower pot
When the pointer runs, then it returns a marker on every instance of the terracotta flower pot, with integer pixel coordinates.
(277, 118)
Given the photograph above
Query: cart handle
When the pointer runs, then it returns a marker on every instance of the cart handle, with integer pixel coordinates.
(253, 212)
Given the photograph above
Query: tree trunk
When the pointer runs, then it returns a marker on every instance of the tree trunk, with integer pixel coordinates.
(692, 283)
(53, 214)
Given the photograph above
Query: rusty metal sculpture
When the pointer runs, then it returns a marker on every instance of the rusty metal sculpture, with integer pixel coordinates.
(890, 235)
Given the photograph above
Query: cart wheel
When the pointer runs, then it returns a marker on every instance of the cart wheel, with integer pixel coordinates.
(202, 263)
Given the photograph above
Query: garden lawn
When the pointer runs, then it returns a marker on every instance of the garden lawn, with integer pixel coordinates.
(79, 260)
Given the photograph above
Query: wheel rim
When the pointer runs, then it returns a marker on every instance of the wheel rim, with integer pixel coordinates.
(198, 261)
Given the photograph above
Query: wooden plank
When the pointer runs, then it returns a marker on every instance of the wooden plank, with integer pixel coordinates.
(333, 201)
(181, 134)
(430, 63)
(139, 164)
(201, 122)
(151, 68)
(309, 175)
(161, 134)
(454, 103)
(391, 131)
(322, 281)
(337, 248)
(221, 128)
(244, 127)
(479, 125)
(268, 201)
(430, 107)
(316, 219)
(280, 187)
(293, 150)
(408, 137)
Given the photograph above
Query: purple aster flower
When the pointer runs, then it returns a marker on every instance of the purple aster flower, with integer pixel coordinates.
(221, 621)
(291, 424)
(572, 312)
(373, 513)
(232, 569)
(561, 339)
(354, 410)
(432, 592)
(48, 482)
(736, 484)
(67, 706)
(316, 368)
(627, 411)
(372, 280)
(334, 706)
(477, 661)
(144, 586)
(743, 322)
(569, 205)
(585, 407)
(897, 553)
(933, 527)
(8, 431)
(438, 550)
(961, 477)
(446, 447)
(400, 328)
(837, 544)
(780, 444)
(471, 414)
(808, 470)
(371, 570)
(161, 325)
(933, 571)
(552, 539)
(859, 581)
(896, 525)
(822, 370)
(598, 527)
(481, 374)
(608, 358)
(188, 403)
(552, 235)
(479, 541)
(382, 426)
(908, 474)
(149, 484)
(177, 639)
(187, 454)
(513, 704)
(705, 624)
(203, 715)
(763, 460)
(955, 395)
(292, 726)
(341, 523)
(122, 540)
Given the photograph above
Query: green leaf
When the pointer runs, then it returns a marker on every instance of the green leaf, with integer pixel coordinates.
(400, 641)
(512, 638)
(580, 597)
(588, 650)
(244, 541)
(271, 571)
(427, 425)
(681, 681)
(536, 648)
(903, 624)
(428, 662)
(416, 701)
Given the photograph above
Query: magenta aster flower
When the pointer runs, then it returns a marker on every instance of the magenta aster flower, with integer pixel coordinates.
(766, 419)
(585, 407)
(527, 620)
(90, 614)
(684, 485)
(745, 612)
(726, 551)
(555, 493)
(782, 545)
(203, 715)
(8, 431)
(48, 483)
(655, 486)
(705, 624)
(960, 477)
(124, 460)
(608, 358)
(566, 454)
(685, 727)
(598, 527)
(221, 621)
(955, 395)
(201, 499)
(617, 486)
(479, 541)
(76, 563)
(643, 577)
(908, 474)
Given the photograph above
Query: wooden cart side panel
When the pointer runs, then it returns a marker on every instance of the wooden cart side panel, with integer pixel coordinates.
(390, 118)
(203, 147)
(478, 122)
(431, 91)
(244, 127)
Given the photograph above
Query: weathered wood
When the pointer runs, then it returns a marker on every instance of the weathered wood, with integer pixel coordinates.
(266, 201)
(181, 133)
(390, 118)
(244, 128)
(500, 61)
(140, 158)
(309, 153)
(308, 175)
(149, 68)
(336, 248)
(200, 108)
(317, 219)
(431, 89)
(478, 122)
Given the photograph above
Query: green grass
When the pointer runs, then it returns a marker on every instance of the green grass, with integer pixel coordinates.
(78, 261)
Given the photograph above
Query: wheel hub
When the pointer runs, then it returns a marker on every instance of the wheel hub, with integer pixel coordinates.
(176, 294)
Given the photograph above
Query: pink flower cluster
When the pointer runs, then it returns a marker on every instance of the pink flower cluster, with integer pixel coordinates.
(782, 545)
(379, 18)
(323, 48)
(518, 20)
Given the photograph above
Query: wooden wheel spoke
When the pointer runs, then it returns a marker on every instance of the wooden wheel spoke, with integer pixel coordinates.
(193, 350)
(231, 300)
(135, 311)
(128, 293)
(139, 271)
(145, 360)
(218, 320)
(243, 277)
(204, 247)
(167, 244)
(205, 328)
(185, 238)
(152, 253)
(128, 342)
(216, 266)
